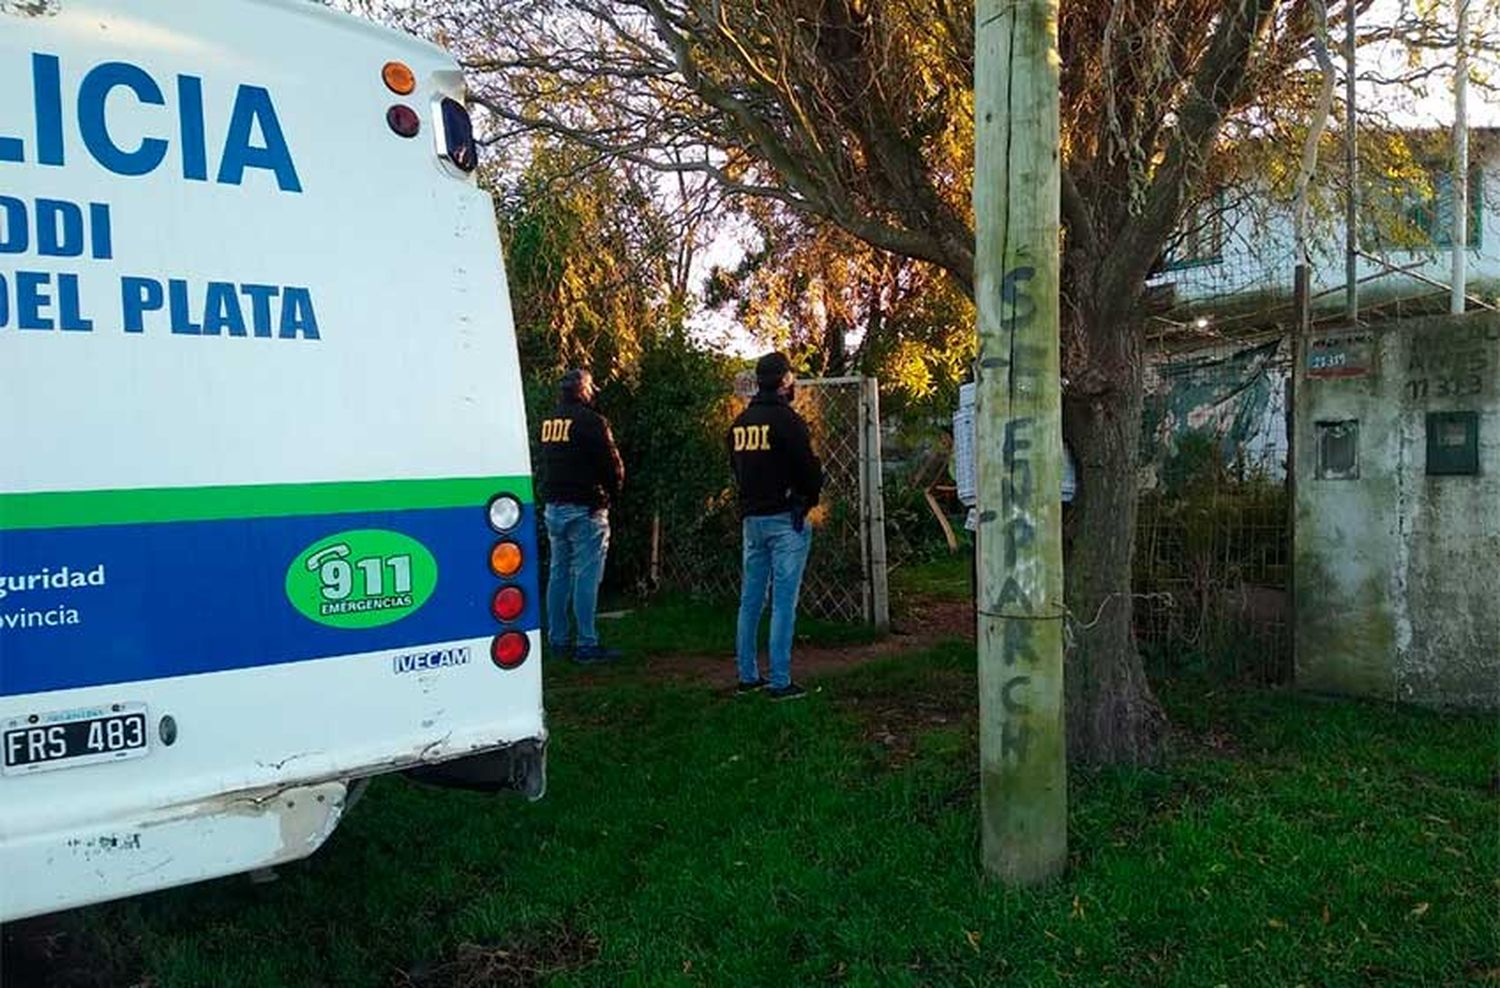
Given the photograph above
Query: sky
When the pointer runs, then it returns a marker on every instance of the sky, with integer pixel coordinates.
(1434, 107)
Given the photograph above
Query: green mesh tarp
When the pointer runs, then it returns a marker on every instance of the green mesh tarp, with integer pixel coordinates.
(1236, 396)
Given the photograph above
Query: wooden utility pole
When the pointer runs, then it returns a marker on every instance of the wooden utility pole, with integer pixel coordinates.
(1460, 196)
(1023, 765)
(1351, 165)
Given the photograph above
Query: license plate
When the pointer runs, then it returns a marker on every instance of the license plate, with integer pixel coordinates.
(84, 736)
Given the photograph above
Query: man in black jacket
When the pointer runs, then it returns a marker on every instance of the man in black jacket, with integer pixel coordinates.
(779, 479)
(582, 474)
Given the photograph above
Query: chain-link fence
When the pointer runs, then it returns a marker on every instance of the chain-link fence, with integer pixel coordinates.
(1213, 539)
(701, 556)
(1213, 536)
(837, 585)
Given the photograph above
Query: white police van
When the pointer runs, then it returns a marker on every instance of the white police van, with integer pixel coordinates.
(266, 520)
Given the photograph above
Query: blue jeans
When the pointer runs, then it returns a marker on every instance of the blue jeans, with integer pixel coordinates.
(579, 540)
(774, 555)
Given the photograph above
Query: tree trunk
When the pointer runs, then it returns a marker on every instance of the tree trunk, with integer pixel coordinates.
(1112, 715)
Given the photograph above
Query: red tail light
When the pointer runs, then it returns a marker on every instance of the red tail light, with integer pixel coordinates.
(510, 649)
(507, 604)
(403, 120)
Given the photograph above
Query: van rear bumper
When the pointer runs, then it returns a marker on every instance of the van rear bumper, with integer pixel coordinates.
(247, 830)
(225, 835)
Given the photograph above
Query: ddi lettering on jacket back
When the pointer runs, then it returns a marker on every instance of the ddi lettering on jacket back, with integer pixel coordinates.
(771, 455)
(751, 438)
(557, 430)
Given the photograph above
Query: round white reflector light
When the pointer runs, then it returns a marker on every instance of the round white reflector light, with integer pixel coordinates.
(505, 513)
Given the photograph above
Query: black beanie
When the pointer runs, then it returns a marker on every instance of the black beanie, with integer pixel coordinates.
(771, 369)
(572, 382)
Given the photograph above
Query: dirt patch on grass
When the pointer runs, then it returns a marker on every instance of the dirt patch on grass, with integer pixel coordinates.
(923, 624)
(895, 716)
(940, 618)
(519, 964)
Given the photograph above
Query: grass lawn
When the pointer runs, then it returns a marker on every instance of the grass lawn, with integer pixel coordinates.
(947, 576)
(694, 838)
(684, 626)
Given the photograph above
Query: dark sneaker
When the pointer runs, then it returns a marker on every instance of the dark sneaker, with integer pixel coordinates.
(791, 691)
(560, 651)
(592, 655)
(742, 689)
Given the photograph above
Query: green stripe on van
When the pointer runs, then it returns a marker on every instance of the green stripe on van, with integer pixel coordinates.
(75, 509)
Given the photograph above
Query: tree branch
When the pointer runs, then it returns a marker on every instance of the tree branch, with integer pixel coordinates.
(1212, 93)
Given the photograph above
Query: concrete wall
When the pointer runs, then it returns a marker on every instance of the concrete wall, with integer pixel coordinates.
(1398, 571)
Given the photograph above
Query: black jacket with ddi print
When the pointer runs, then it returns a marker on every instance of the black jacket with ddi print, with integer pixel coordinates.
(580, 464)
(771, 454)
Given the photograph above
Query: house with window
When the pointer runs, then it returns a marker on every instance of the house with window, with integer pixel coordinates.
(1234, 258)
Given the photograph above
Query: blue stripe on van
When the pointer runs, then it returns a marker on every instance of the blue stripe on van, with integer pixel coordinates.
(187, 598)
